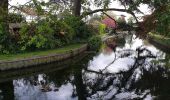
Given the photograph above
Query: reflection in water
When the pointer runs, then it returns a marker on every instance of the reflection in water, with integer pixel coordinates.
(134, 70)
(27, 91)
(7, 90)
(109, 85)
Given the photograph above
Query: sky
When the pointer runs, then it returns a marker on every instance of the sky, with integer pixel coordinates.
(143, 8)
(15, 2)
(115, 4)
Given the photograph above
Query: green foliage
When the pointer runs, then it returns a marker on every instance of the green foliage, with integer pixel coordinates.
(38, 7)
(45, 35)
(37, 36)
(15, 18)
(80, 29)
(48, 33)
(2, 38)
(130, 21)
(63, 32)
(95, 43)
(121, 23)
(102, 28)
(7, 44)
(121, 42)
(159, 38)
(52, 33)
(163, 24)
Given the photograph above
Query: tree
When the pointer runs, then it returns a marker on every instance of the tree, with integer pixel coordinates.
(81, 8)
(130, 21)
(4, 27)
(163, 24)
(77, 7)
(121, 23)
(3, 15)
(84, 5)
(158, 7)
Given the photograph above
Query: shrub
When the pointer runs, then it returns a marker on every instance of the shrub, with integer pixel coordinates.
(122, 25)
(94, 43)
(26, 33)
(7, 44)
(62, 31)
(163, 22)
(102, 28)
(15, 18)
(45, 34)
(37, 36)
(80, 29)
(3, 37)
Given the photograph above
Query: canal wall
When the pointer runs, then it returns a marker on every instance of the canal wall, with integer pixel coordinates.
(158, 45)
(9, 75)
(27, 62)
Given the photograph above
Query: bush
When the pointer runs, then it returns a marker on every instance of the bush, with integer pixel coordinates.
(45, 34)
(163, 24)
(62, 32)
(95, 43)
(102, 28)
(7, 44)
(80, 29)
(15, 18)
(37, 36)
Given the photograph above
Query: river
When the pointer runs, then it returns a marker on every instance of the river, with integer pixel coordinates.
(135, 69)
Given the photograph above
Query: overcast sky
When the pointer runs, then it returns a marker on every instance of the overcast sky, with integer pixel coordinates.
(143, 8)
(15, 2)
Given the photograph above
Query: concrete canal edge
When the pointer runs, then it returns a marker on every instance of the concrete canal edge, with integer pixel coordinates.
(28, 62)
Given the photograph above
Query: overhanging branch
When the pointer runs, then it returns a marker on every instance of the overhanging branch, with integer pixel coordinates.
(109, 9)
(102, 10)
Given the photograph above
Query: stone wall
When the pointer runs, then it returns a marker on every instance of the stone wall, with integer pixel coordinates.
(15, 64)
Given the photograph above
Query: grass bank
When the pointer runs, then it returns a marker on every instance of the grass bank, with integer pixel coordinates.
(8, 57)
(161, 39)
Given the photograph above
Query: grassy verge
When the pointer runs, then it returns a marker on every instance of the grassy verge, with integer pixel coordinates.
(8, 57)
(161, 39)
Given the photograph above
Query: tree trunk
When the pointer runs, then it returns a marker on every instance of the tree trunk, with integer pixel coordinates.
(77, 7)
(4, 15)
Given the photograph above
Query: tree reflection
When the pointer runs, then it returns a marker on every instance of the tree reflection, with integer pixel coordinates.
(145, 76)
(6, 91)
(142, 78)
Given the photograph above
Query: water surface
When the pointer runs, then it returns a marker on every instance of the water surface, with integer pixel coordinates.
(135, 69)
